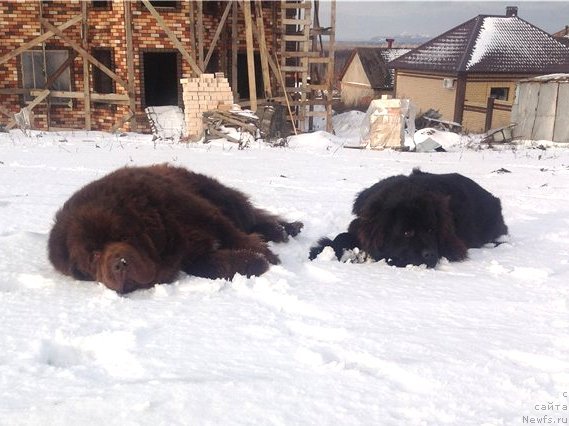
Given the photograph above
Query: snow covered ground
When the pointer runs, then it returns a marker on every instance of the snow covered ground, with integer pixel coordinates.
(481, 342)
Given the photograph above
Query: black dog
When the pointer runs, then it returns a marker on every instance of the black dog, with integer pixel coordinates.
(417, 219)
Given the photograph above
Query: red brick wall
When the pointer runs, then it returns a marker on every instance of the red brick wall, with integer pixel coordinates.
(20, 23)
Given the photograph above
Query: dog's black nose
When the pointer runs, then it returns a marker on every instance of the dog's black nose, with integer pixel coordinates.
(430, 257)
(119, 265)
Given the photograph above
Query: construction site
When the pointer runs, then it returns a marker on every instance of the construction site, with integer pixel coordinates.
(99, 65)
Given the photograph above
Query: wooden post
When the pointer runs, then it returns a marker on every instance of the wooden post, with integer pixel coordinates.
(234, 38)
(200, 34)
(193, 45)
(130, 64)
(330, 73)
(250, 54)
(460, 97)
(489, 114)
(48, 103)
(86, 83)
(263, 49)
(217, 33)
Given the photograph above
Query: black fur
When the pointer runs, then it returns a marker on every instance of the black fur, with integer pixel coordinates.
(420, 218)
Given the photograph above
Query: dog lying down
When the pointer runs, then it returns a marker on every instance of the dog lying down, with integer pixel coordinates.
(419, 219)
(140, 226)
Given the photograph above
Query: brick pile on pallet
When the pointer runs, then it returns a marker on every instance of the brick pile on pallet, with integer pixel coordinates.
(204, 93)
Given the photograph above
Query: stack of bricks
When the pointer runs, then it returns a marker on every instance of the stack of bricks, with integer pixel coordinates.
(201, 94)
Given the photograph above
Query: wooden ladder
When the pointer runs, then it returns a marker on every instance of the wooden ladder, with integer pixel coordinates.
(299, 61)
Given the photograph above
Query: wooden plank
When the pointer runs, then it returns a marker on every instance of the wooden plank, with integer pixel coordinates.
(263, 49)
(234, 38)
(296, 5)
(99, 97)
(111, 98)
(301, 54)
(289, 21)
(130, 64)
(217, 34)
(122, 121)
(200, 34)
(43, 94)
(192, 30)
(172, 37)
(290, 68)
(52, 77)
(330, 73)
(38, 40)
(84, 53)
(270, 60)
(5, 112)
(319, 60)
(86, 80)
(250, 53)
(44, 71)
(297, 38)
(14, 91)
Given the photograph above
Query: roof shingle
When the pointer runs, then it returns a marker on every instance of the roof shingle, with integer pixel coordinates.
(486, 43)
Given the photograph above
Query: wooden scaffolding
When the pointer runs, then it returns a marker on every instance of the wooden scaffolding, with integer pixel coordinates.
(300, 74)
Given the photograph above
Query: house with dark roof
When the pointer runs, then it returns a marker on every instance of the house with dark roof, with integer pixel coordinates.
(469, 73)
(562, 36)
(366, 76)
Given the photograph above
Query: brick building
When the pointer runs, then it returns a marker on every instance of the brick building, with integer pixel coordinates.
(105, 61)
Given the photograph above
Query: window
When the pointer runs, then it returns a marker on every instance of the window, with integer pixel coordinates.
(102, 83)
(33, 76)
(500, 93)
(102, 4)
(164, 4)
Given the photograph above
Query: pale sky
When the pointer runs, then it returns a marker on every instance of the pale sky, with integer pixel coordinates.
(362, 20)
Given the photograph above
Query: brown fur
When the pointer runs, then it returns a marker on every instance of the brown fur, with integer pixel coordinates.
(139, 226)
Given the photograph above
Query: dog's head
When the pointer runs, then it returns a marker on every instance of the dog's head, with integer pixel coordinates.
(409, 229)
(93, 247)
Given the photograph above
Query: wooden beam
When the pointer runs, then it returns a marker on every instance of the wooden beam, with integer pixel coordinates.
(14, 91)
(263, 49)
(217, 33)
(6, 112)
(38, 40)
(130, 64)
(97, 97)
(234, 38)
(250, 53)
(52, 77)
(200, 33)
(122, 121)
(86, 81)
(330, 74)
(172, 37)
(193, 44)
(84, 53)
(43, 94)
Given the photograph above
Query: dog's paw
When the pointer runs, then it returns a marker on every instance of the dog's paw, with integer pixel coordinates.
(293, 228)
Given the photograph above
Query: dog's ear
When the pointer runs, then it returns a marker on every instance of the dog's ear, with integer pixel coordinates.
(450, 246)
(375, 194)
(58, 252)
(369, 233)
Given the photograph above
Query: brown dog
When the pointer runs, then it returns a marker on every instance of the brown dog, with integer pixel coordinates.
(139, 226)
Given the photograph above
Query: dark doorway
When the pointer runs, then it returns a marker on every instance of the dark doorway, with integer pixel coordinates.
(160, 78)
(243, 77)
